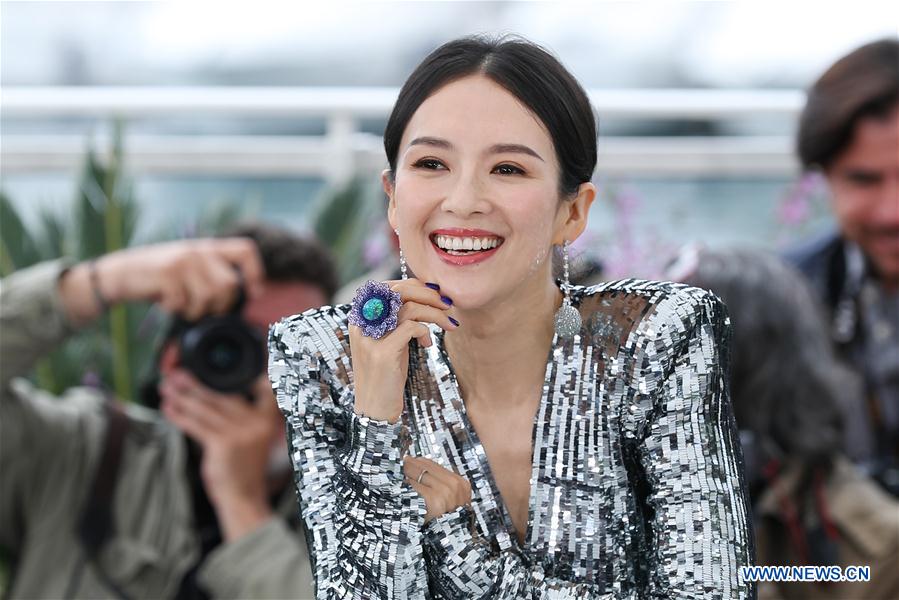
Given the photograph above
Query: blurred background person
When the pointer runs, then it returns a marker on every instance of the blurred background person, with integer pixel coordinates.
(103, 499)
(812, 505)
(849, 130)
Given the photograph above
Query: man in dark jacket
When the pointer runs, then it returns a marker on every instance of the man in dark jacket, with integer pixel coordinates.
(849, 131)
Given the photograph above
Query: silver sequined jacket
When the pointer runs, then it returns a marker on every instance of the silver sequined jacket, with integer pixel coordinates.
(636, 484)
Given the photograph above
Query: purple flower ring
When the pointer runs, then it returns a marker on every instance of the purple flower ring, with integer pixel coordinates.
(375, 308)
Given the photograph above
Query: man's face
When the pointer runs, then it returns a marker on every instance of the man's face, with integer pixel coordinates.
(864, 181)
(281, 299)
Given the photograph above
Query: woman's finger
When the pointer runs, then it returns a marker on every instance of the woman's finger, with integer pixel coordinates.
(413, 470)
(413, 290)
(423, 313)
(456, 487)
(413, 329)
(402, 335)
(435, 505)
(429, 473)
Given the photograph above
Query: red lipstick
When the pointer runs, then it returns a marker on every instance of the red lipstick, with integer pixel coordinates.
(468, 259)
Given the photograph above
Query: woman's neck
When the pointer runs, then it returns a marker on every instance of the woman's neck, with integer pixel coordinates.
(499, 352)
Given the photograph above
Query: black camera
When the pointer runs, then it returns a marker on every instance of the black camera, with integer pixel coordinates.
(223, 351)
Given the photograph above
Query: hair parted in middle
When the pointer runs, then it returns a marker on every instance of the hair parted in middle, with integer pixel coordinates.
(525, 70)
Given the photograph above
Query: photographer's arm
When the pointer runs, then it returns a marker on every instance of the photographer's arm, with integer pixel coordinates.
(32, 318)
(269, 562)
(191, 278)
(44, 304)
(41, 439)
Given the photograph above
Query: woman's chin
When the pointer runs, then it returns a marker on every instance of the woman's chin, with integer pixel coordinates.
(467, 293)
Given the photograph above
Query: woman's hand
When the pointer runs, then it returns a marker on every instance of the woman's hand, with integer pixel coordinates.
(442, 489)
(380, 366)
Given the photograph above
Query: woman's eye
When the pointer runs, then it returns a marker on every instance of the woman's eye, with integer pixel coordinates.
(428, 163)
(508, 170)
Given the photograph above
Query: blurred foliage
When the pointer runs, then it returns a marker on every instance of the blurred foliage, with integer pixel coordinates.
(803, 206)
(104, 217)
(220, 217)
(345, 218)
(118, 348)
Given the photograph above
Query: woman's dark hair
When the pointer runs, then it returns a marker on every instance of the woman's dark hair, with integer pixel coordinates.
(786, 382)
(526, 71)
(862, 84)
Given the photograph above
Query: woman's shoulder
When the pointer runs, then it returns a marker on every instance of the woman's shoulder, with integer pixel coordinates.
(649, 308)
(654, 291)
(316, 329)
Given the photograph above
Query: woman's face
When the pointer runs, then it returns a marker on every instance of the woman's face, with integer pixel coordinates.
(475, 163)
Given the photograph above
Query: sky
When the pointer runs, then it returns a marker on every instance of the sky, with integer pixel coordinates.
(606, 44)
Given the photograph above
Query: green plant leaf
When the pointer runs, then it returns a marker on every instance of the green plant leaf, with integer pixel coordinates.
(17, 248)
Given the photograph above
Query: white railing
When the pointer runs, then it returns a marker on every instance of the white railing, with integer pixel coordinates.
(343, 149)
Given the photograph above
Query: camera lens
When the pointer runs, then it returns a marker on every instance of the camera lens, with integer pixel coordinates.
(224, 352)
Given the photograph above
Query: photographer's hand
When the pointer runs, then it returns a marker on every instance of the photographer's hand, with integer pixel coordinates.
(191, 278)
(237, 438)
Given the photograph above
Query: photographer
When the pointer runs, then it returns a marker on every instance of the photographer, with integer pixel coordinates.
(812, 506)
(849, 133)
(99, 499)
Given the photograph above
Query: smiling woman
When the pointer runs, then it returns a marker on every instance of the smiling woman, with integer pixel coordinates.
(511, 435)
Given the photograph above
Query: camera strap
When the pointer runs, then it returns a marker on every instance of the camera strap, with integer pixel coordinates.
(96, 526)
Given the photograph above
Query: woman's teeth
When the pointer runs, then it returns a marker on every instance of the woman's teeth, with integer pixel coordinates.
(458, 246)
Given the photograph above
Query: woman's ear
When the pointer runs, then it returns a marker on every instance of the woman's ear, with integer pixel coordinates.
(387, 183)
(575, 213)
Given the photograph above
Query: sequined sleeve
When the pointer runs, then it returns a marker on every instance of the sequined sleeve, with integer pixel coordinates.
(699, 529)
(363, 525)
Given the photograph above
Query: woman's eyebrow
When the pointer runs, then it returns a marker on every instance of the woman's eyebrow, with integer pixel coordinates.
(431, 141)
(515, 149)
(494, 149)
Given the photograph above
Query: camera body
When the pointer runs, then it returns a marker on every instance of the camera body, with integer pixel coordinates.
(223, 351)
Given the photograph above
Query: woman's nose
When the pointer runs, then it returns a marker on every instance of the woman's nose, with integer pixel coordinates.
(466, 196)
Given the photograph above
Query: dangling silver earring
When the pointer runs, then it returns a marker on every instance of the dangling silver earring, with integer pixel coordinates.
(568, 318)
(402, 258)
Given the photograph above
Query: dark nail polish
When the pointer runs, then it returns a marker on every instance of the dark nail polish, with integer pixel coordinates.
(433, 286)
(454, 322)
(446, 300)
